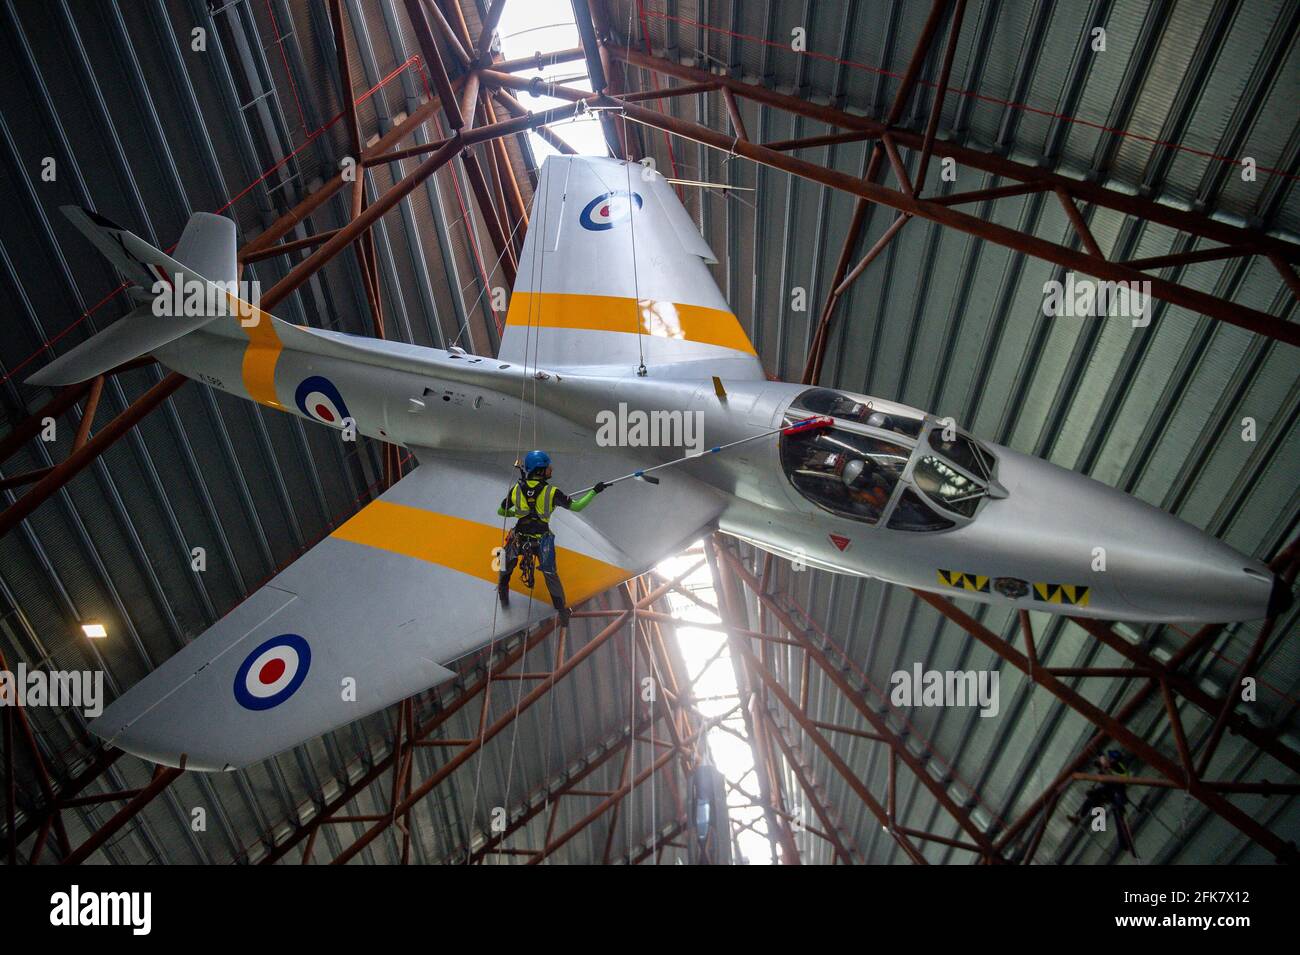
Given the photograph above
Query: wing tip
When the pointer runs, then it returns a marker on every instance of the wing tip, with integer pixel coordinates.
(40, 379)
(54, 375)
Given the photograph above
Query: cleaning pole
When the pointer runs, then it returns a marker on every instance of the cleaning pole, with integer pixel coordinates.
(808, 424)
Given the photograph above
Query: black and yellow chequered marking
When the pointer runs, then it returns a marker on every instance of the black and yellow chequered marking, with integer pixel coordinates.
(977, 583)
(1073, 595)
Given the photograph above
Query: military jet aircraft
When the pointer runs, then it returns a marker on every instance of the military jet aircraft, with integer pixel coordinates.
(616, 338)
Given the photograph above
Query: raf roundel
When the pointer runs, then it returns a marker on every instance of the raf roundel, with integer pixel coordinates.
(317, 398)
(273, 672)
(607, 209)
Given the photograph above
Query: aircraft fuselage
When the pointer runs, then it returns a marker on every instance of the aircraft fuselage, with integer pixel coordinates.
(889, 492)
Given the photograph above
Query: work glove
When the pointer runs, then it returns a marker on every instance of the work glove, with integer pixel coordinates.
(600, 486)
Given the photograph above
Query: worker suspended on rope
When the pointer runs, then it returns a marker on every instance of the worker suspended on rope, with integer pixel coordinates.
(533, 501)
(1111, 796)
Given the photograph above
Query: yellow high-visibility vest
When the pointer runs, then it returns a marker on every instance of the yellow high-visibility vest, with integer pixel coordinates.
(532, 498)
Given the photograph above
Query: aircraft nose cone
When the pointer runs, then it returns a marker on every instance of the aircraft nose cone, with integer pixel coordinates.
(1186, 574)
(1157, 566)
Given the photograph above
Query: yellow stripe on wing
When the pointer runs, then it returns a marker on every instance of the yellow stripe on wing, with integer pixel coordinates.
(616, 313)
(468, 547)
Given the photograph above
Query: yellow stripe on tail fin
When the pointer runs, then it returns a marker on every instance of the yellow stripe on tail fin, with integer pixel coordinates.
(614, 274)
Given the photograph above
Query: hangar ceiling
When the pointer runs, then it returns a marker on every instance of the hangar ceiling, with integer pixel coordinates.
(146, 129)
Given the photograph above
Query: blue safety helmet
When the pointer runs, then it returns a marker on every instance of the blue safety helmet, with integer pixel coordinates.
(536, 460)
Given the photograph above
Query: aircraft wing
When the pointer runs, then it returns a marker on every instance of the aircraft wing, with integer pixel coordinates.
(378, 610)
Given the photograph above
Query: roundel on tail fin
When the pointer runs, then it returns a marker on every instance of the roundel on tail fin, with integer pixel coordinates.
(608, 209)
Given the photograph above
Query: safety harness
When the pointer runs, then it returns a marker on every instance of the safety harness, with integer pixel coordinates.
(534, 502)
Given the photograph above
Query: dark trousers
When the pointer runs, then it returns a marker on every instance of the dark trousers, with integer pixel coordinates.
(1114, 797)
(544, 547)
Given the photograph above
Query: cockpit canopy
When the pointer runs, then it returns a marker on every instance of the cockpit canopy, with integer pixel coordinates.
(858, 409)
(953, 471)
(887, 462)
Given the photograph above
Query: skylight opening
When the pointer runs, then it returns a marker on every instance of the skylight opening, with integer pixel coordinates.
(547, 26)
(712, 677)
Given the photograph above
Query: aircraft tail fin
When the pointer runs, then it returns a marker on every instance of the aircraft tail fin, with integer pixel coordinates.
(615, 274)
(209, 247)
(204, 255)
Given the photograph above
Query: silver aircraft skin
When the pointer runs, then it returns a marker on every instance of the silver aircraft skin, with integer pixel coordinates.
(1043, 525)
(399, 592)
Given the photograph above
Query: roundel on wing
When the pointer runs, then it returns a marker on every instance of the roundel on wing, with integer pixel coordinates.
(607, 209)
(317, 398)
(273, 672)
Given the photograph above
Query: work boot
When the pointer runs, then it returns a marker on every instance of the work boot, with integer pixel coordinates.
(564, 615)
(503, 594)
